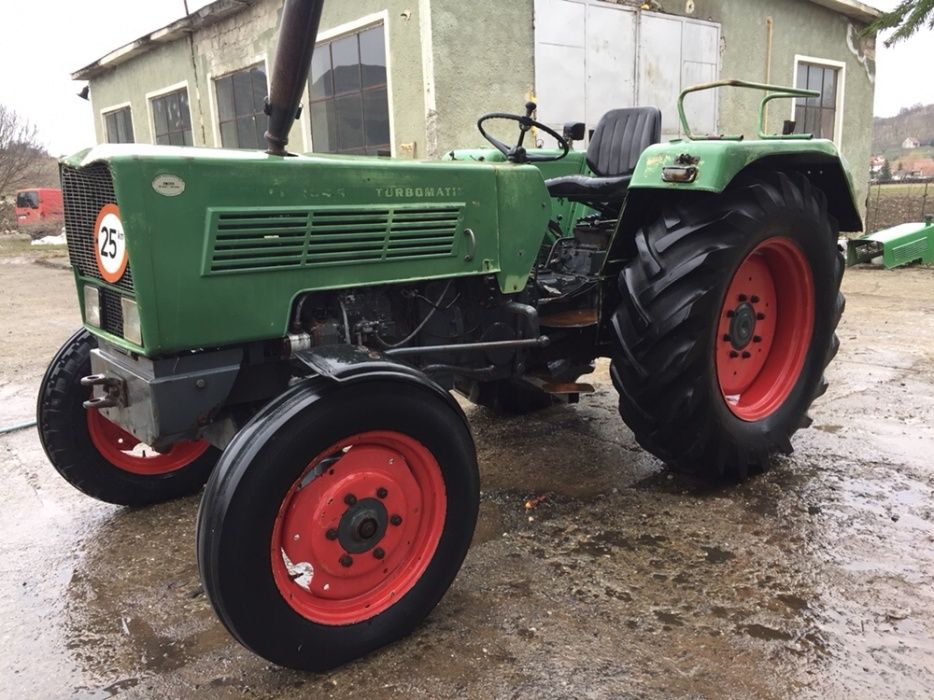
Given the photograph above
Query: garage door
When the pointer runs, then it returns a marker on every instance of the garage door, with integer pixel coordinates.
(592, 56)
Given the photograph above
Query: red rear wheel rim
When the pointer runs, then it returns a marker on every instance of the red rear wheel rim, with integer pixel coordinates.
(358, 529)
(120, 449)
(765, 328)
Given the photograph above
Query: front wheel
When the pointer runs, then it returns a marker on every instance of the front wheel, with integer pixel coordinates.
(726, 324)
(337, 519)
(97, 456)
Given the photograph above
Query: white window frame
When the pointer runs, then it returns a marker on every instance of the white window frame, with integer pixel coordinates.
(150, 96)
(840, 67)
(212, 92)
(115, 108)
(353, 27)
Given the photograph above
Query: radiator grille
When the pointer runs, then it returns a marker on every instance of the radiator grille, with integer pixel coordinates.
(111, 312)
(250, 240)
(84, 192)
(910, 252)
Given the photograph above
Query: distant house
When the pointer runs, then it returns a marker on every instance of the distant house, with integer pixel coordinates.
(911, 142)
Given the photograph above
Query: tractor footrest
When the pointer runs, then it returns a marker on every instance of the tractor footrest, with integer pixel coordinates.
(573, 318)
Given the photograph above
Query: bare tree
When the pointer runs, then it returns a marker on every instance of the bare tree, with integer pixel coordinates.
(20, 150)
(908, 17)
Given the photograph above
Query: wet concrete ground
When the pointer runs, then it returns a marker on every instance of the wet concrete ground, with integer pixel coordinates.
(812, 580)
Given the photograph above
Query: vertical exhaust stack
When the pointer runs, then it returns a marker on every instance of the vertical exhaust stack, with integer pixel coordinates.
(297, 34)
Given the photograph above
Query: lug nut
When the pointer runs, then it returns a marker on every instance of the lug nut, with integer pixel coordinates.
(346, 560)
(396, 520)
(742, 297)
(746, 355)
(381, 492)
(733, 353)
(730, 313)
(379, 553)
(760, 316)
(331, 534)
(754, 299)
(726, 337)
(350, 499)
(757, 338)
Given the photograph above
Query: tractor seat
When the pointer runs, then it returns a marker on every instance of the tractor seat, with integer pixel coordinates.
(614, 150)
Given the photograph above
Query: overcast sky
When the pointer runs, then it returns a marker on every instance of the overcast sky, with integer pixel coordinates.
(57, 37)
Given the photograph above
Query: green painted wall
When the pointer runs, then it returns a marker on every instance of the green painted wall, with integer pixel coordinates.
(484, 62)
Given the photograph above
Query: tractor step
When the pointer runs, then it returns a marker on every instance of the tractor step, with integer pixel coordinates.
(560, 388)
(573, 318)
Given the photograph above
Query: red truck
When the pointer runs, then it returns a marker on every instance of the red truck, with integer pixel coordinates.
(39, 205)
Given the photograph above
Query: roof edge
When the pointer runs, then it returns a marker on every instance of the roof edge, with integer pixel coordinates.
(854, 9)
(207, 15)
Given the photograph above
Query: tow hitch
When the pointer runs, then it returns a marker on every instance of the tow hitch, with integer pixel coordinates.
(114, 391)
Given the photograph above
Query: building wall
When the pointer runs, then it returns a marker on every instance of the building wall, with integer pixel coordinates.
(483, 62)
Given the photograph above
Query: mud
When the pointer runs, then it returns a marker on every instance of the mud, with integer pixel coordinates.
(594, 571)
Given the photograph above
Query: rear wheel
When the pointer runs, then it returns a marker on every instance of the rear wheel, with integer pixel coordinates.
(97, 456)
(337, 519)
(727, 323)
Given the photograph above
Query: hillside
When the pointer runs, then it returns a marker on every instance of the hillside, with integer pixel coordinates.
(916, 122)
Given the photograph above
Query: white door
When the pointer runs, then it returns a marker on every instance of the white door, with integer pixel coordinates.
(592, 56)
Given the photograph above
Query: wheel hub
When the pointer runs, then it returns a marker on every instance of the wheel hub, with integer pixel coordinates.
(362, 526)
(742, 325)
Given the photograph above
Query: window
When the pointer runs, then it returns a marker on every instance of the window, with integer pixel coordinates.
(817, 115)
(241, 99)
(27, 200)
(349, 100)
(119, 126)
(172, 118)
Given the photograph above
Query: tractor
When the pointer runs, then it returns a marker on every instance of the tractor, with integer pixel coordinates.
(287, 330)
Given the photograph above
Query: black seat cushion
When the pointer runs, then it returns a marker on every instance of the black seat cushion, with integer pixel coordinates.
(615, 147)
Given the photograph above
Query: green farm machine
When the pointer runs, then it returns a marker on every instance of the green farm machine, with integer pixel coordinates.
(286, 328)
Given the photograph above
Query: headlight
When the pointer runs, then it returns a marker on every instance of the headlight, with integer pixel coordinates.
(92, 305)
(131, 329)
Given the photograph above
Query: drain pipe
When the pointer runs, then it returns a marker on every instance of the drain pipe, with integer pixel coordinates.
(297, 33)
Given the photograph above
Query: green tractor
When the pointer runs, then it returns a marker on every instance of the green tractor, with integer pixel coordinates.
(287, 329)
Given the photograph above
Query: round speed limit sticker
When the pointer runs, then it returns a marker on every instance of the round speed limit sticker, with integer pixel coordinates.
(110, 244)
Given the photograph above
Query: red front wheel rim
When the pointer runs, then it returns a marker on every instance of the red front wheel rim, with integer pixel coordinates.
(359, 528)
(126, 452)
(765, 328)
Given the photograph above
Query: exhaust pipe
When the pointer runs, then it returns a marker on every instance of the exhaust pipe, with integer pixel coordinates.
(297, 34)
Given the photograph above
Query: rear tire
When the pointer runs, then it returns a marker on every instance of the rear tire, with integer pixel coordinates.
(94, 455)
(715, 385)
(337, 519)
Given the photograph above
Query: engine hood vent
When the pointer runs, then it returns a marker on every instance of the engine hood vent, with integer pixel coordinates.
(247, 240)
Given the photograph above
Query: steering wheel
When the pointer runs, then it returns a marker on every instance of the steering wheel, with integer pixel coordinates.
(518, 154)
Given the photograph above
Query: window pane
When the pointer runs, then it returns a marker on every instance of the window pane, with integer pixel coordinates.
(229, 134)
(225, 101)
(160, 117)
(346, 64)
(802, 78)
(799, 118)
(373, 57)
(815, 82)
(189, 141)
(323, 127)
(829, 90)
(246, 133)
(376, 114)
(828, 116)
(162, 140)
(242, 93)
(258, 77)
(349, 112)
(812, 121)
(322, 83)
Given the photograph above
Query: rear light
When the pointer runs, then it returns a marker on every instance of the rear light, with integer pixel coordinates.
(92, 305)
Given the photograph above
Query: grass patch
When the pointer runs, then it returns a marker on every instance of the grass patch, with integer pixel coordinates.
(14, 247)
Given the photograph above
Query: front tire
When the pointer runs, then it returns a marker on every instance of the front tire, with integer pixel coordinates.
(95, 455)
(726, 324)
(337, 519)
